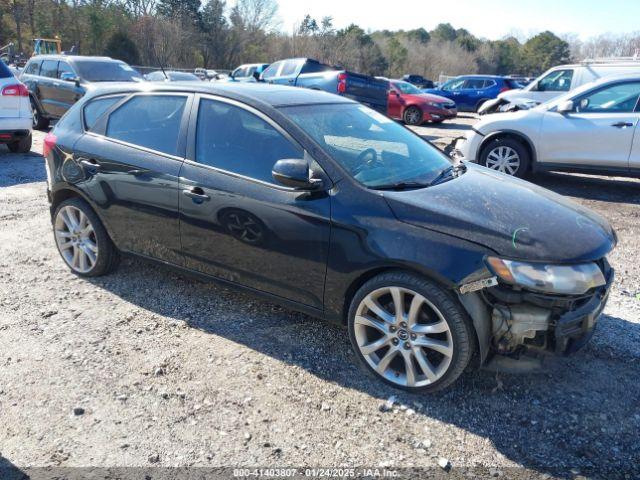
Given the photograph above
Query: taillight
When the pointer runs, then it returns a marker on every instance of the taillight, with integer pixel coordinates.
(18, 90)
(342, 82)
(49, 144)
(505, 89)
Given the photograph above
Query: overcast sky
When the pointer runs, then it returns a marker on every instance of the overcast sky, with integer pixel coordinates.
(484, 18)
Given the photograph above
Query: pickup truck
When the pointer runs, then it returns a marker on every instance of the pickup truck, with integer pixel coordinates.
(309, 73)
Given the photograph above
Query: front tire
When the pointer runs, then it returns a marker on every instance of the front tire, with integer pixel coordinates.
(410, 333)
(82, 241)
(506, 155)
(21, 146)
(412, 116)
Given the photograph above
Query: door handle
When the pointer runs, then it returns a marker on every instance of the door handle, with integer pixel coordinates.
(622, 124)
(196, 193)
(91, 166)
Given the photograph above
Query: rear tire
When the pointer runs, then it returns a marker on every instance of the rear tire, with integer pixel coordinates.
(82, 241)
(39, 122)
(21, 146)
(412, 116)
(423, 346)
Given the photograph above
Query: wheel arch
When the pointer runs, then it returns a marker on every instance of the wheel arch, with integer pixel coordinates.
(66, 192)
(470, 304)
(516, 135)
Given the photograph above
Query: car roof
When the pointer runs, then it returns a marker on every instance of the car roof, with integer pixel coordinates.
(493, 77)
(251, 93)
(73, 58)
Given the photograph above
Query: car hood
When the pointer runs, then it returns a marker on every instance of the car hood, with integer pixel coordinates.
(425, 97)
(514, 218)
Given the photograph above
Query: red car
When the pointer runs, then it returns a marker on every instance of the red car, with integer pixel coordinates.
(412, 106)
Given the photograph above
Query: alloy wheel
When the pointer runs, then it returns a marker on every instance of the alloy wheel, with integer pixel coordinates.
(413, 116)
(403, 337)
(503, 159)
(76, 239)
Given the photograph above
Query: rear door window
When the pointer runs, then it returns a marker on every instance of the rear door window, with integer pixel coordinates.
(233, 139)
(149, 121)
(474, 84)
(49, 69)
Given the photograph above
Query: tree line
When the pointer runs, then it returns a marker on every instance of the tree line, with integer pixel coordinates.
(215, 34)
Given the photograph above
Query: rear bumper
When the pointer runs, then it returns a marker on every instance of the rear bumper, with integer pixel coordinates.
(10, 136)
(15, 124)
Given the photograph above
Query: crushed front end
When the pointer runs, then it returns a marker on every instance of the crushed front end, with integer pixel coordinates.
(526, 324)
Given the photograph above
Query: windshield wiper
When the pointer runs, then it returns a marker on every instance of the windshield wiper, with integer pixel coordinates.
(400, 186)
(452, 171)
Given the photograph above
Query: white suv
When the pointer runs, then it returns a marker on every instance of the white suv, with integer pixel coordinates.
(558, 80)
(15, 112)
(590, 129)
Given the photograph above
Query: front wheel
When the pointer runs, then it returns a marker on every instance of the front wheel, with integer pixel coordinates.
(410, 333)
(82, 240)
(412, 116)
(506, 155)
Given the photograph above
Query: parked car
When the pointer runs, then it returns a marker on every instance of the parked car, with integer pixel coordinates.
(249, 72)
(205, 74)
(419, 81)
(171, 76)
(557, 81)
(15, 112)
(329, 207)
(309, 73)
(56, 82)
(413, 107)
(471, 91)
(590, 129)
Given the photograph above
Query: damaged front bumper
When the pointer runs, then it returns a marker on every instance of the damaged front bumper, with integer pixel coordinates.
(524, 326)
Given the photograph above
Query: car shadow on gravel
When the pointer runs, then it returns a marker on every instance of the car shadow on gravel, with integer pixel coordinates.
(577, 414)
(606, 189)
(20, 168)
(8, 471)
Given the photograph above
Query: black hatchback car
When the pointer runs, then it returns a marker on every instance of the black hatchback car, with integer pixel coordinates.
(56, 82)
(333, 209)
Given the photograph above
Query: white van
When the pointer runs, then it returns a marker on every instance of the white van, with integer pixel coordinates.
(561, 79)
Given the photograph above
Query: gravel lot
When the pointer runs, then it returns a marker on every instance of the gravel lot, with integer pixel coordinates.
(146, 367)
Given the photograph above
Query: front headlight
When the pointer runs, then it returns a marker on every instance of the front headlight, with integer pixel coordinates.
(435, 105)
(561, 279)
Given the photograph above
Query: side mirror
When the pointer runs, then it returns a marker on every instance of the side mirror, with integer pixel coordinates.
(565, 107)
(256, 75)
(69, 77)
(295, 173)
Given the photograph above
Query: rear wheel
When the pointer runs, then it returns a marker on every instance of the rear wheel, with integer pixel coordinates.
(412, 116)
(39, 122)
(21, 146)
(81, 239)
(506, 155)
(410, 333)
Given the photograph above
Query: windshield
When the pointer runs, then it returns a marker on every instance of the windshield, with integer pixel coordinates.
(374, 149)
(405, 87)
(178, 76)
(105, 71)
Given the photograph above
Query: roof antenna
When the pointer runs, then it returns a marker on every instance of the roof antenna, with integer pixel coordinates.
(160, 63)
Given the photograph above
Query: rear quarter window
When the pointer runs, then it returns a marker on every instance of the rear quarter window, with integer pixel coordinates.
(96, 108)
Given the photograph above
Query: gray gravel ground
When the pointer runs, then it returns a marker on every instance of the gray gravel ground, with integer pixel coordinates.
(146, 367)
